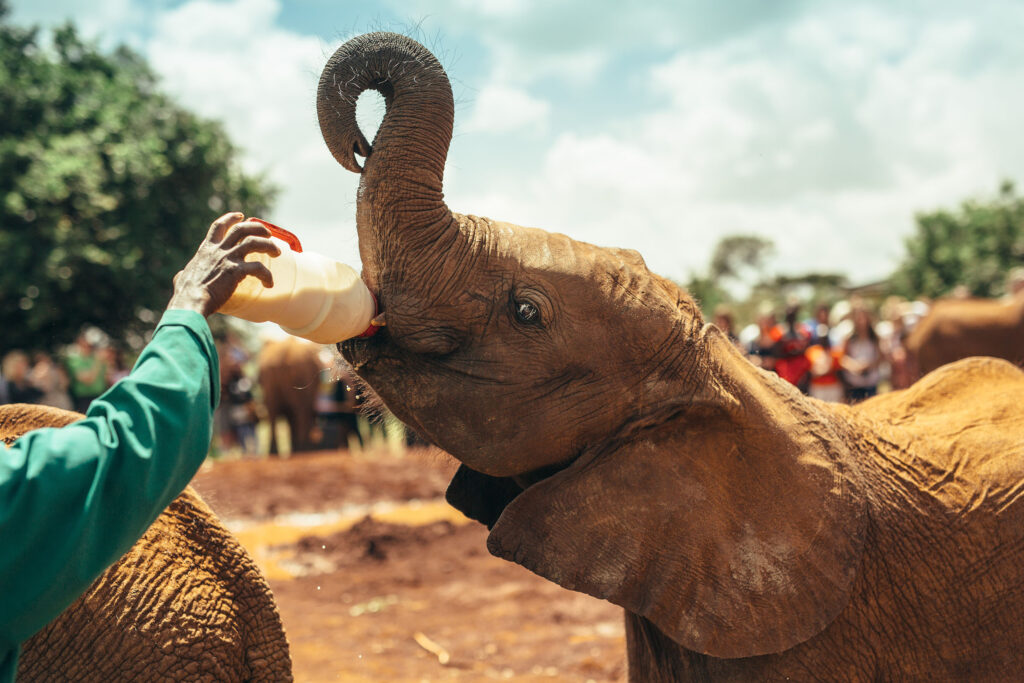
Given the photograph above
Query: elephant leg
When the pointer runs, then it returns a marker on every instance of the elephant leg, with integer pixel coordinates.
(272, 415)
(298, 441)
(300, 430)
(307, 422)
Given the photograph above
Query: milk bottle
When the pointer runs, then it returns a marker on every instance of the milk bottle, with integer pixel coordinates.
(313, 297)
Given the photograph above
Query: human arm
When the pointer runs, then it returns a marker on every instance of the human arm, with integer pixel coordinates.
(74, 499)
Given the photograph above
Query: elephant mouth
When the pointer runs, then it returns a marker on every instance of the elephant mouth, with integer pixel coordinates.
(359, 352)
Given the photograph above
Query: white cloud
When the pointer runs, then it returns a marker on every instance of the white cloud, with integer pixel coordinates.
(822, 125)
(826, 136)
(514, 65)
(501, 108)
(230, 61)
(495, 8)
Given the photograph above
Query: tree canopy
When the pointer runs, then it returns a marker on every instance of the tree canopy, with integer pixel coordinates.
(745, 257)
(974, 246)
(106, 188)
(734, 256)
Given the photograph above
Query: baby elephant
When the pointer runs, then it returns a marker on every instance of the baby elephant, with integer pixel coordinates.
(619, 446)
(185, 603)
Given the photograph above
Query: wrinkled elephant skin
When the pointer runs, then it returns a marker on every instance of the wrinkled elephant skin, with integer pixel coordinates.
(186, 602)
(619, 446)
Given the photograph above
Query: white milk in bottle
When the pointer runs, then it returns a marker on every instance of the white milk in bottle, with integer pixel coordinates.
(313, 297)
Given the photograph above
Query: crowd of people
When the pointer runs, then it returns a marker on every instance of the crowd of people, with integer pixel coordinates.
(73, 379)
(840, 353)
(92, 364)
(70, 381)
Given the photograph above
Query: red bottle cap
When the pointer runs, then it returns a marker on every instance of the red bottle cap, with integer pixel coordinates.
(372, 329)
(280, 233)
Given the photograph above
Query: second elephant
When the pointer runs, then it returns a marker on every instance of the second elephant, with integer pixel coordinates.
(186, 602)
(956, 329)
(289, 377)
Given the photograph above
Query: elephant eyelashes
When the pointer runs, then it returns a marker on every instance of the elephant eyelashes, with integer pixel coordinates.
(526, 313)
(530, 307)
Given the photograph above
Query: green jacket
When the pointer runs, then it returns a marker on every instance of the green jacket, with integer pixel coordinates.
(73, 500)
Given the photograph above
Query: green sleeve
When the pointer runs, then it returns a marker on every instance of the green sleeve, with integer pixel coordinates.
(74, 499)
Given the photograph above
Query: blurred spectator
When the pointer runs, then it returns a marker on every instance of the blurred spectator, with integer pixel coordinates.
(862, 357)
(113, 359)
(825, 383)
(19, 389)
(724, 321)
(761, 351)
(337, 411)
(86, 370)
(840, 325)
(821, 328)
(236, 417)
(902, 368)
(823, 356)
(52, 381)
(241, 411)
(791, 363)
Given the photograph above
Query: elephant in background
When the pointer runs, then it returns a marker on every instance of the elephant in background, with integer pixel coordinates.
(619, 446)
(959, 328)
(289, 377)
(186, 602)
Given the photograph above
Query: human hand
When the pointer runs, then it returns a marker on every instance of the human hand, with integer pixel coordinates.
(210, 278)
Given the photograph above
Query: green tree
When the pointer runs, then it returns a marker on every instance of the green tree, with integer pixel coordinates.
(736, 253)
(106, 189)
(975, 246)
(733, 257)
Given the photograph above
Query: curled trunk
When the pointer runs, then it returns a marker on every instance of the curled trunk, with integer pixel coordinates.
(400, 192)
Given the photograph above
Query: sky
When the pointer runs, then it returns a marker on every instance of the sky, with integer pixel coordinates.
(661, 126)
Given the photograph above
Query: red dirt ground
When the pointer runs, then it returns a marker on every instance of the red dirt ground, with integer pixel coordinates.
(407, 592)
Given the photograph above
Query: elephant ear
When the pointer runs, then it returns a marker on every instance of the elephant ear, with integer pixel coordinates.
(737, 533)
(479, 496)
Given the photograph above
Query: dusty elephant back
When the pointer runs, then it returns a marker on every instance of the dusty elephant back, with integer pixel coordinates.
(944, 464)
(186, 602)
(961, 432)
(980, 399)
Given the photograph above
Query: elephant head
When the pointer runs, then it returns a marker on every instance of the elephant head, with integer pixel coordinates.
(616, 444)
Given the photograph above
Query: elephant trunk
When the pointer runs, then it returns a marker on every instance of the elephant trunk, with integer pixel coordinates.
(401, 203)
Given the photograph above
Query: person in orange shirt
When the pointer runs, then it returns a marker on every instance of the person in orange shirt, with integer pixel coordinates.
(791, 362)
(825, 383)
(761, 351)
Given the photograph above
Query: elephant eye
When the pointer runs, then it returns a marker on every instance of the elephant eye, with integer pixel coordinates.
(526, 313)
